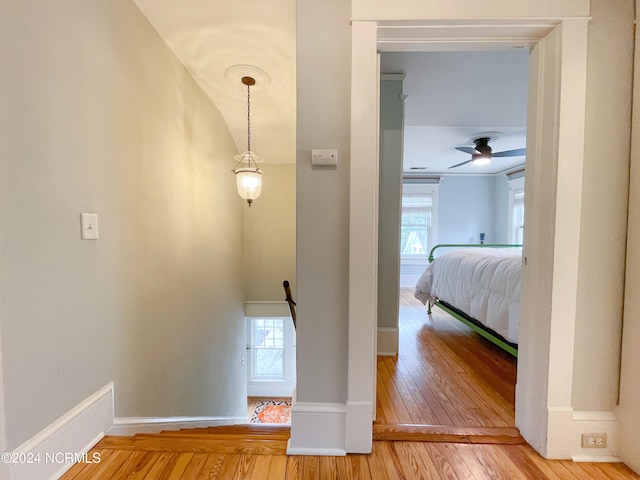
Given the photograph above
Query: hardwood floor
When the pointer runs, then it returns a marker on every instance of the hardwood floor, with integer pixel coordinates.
(449, 392)
(259, 454)
(444, 374)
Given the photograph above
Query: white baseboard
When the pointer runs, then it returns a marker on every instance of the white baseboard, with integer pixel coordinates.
(63, 443)
(127, 426)
(596, 422)
(387, 341)
(317, 429)
(359, 427)
(564, 438)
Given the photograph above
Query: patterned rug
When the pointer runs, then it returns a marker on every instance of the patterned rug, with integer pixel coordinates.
(272, 412)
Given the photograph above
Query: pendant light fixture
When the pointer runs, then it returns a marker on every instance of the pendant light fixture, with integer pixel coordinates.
(248, 175)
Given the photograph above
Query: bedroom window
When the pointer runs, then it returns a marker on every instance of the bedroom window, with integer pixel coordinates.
(517, 225)
(415, 228)
(516, 210)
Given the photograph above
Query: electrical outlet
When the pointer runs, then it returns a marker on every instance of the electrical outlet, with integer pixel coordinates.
(594, 440)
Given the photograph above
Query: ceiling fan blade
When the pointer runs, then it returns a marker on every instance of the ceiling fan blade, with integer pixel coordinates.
(469, 150)
(519, 152)
(460, 164)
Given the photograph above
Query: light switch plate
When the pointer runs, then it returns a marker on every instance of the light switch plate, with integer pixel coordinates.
(324, 157)
(89, 226)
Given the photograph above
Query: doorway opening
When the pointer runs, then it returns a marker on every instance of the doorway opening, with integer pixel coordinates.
(446, 197)
(556, 127)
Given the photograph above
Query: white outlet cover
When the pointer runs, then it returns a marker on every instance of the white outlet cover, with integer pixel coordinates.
(324, 156)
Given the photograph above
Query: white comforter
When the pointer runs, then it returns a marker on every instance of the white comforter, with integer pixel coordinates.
(482, 282)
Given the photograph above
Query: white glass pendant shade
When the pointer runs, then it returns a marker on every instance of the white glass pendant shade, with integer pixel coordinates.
(248, 176)
(249, 181)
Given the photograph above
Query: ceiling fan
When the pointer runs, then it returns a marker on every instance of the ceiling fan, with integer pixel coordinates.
(482, 154)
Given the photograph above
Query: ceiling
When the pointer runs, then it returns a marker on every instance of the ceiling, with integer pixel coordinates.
(219, 42)
(454, 96)
(451, 95)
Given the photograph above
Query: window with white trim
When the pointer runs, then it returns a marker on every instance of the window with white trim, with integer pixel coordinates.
(272, 353)
(516, 211)
(417, 223)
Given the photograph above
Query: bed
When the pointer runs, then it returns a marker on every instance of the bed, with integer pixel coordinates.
(480, 286)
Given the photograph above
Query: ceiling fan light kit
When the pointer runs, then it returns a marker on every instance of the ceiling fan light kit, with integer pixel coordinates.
(482, 153)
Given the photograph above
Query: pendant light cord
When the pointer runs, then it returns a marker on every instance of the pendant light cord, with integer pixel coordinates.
(248, 118)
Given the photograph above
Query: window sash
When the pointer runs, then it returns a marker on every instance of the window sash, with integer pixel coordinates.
(268, 348)
(415, 235)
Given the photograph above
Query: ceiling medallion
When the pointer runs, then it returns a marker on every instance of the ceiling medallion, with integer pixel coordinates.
(235, 73)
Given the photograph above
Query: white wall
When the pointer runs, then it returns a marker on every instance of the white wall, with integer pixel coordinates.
(466, 209)
(390, 200)
(327, 117)
(270, 235)
(629, 419)
(604, 211)
(98, 116)
(322, 200)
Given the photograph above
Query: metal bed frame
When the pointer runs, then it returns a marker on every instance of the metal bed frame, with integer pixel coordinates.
(470, 322)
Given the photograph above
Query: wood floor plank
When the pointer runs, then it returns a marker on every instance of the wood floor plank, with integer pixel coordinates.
(249, 429)
(163, 465)
(620, 470)
(467, 453)
(498, 465)
(212, 467)
(107, 466)
(454, 455)
(384, 463)
(194, 445)
(586, 470)
(294, 468)
(390, 396)
(413, 463)
(144, 468)
(278, 468)
(311, 468)
(74, 472)
(353, 467)
(444, 433)
(195, 465)
(128, 466)
(261, 466)
(420, 411)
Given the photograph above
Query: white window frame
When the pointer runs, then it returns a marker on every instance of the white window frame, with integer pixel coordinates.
(516, 197)
(423, 189)
(272, 387)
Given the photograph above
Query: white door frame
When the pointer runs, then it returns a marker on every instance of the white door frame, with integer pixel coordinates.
(555, 144)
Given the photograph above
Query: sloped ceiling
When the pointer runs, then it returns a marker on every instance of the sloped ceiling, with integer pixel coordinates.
(451, 95)
(221, 41)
